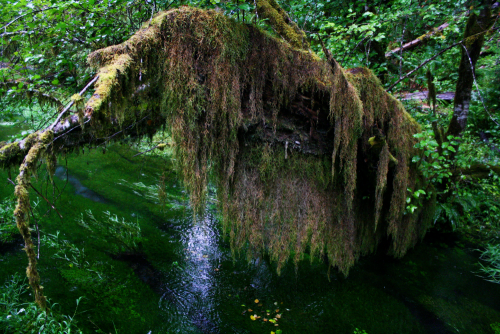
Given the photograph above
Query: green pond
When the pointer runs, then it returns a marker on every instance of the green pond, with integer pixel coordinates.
(182, 277)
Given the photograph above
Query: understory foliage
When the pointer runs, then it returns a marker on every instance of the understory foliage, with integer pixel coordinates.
(492, 257)
(20, 317)
(212, 78)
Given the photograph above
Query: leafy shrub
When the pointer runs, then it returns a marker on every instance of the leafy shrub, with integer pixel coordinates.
(491, 271)
(20, 317)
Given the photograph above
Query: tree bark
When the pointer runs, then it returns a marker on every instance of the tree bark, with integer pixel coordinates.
(477, 25)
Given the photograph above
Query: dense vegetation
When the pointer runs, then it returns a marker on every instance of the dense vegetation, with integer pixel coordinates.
(45, 45)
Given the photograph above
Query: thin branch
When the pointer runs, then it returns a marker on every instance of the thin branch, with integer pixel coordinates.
(72, 102)
(146, 151)
(21, 16)
(418, 41)
(10, 33)
(423, 64)
(51, 205)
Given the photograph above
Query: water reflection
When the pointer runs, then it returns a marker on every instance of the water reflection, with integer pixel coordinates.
(192, 283)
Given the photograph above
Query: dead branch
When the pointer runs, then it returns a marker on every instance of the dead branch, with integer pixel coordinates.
(418, 41)
(72, 102)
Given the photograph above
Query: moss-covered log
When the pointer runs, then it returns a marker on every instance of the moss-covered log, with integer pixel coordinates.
(284, 135)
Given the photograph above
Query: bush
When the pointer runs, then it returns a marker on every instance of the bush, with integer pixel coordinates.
(19, 316)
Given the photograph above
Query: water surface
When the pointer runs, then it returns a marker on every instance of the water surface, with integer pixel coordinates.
(183, 278)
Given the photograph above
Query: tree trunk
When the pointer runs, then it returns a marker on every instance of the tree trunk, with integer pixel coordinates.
(477, 25)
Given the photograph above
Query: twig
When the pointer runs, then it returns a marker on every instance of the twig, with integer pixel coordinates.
(52, 206)
(145, 151)
(9, 33)
(418, 41)
(72, 102)
(107, 139)
(423, 64)
(21, 16)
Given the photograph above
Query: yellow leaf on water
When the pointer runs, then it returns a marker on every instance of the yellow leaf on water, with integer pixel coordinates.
(273, 333)
(252, 317)
(256, 301)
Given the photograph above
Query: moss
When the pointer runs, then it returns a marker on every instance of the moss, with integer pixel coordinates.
(37, 143)
(8, 153)
(211, 79)
(281, 23)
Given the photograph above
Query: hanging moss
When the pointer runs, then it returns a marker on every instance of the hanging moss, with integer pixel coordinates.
(235, 100)
(38, 142)
(284, 135)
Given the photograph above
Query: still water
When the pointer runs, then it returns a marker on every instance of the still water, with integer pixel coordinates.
(182, 277)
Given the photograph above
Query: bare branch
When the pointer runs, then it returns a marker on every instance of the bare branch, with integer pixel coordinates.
(418, 41)
(21, 16)
(73, 102)
(423, 64)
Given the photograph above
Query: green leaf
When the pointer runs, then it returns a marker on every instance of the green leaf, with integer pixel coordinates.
(245, 6)
(55, 82)
(61, 25)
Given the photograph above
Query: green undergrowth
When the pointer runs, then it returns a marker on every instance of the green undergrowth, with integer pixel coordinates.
(20, 316)
(8, 229)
